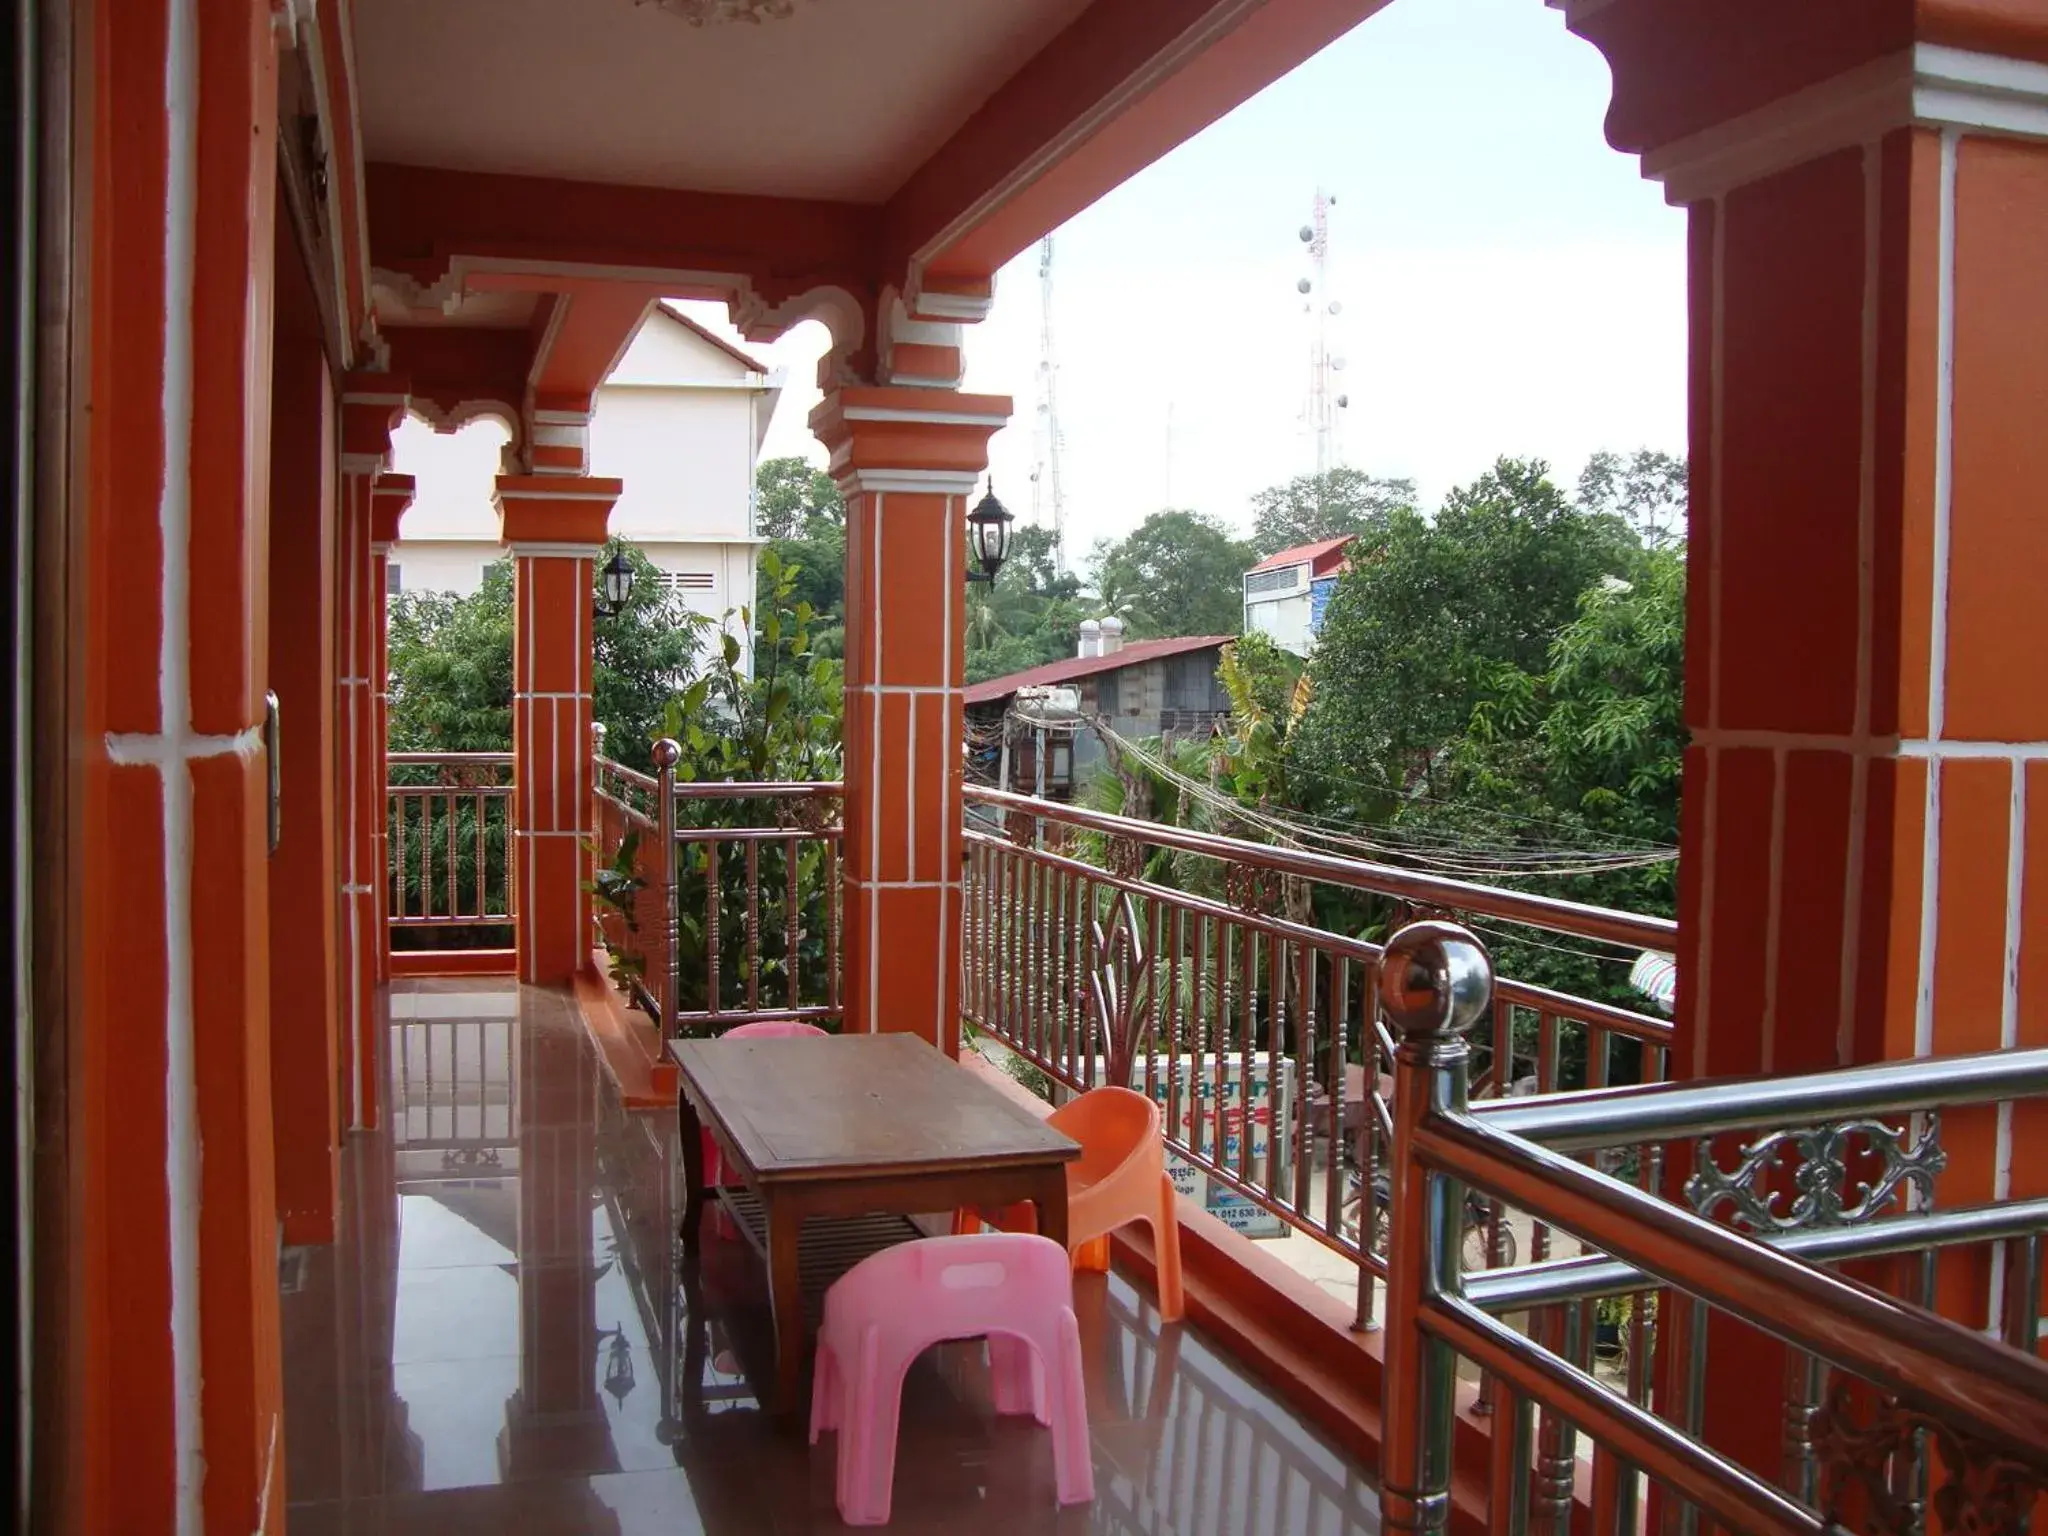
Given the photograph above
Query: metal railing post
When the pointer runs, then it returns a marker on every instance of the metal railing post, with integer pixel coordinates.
(1435, 982)
(662, 984)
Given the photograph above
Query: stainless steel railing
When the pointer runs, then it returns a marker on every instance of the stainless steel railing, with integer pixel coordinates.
(1844, 1168)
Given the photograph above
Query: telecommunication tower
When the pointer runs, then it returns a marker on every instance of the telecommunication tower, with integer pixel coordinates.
(1324, 364)
(1048, 508)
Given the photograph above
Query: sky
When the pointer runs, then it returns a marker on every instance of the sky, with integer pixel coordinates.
(1509, 285)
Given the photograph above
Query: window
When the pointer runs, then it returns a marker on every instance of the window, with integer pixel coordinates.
(392, 585)
(1264, 583)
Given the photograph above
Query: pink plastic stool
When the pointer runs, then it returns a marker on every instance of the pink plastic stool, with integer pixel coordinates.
(1013, 1288)
(767, 1029)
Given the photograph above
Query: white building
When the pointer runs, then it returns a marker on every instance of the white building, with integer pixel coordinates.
(1286, 594)
(680, 419)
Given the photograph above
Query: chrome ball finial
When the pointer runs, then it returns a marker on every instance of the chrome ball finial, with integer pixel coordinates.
(667, 752)
(1435, 979)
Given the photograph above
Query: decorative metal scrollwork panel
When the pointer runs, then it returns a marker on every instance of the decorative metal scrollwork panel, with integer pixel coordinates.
(1860, 1435)
(1839, 1174)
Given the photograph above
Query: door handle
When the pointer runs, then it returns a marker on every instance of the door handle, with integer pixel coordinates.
(274, 772)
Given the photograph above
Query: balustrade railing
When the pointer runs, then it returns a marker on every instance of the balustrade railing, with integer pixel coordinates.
(1255, 1029)
(1891, 1417)
(448, 821)
(740, 920)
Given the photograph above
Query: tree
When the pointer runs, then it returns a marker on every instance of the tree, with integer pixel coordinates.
(1028, 615)
(640, 657)
(1582, 753)
(794, 499)
(1312, 507)
(784, 721)
(799, 510)
(1177, 573)
(1647, 490)
(1426, 616)
(451, 664)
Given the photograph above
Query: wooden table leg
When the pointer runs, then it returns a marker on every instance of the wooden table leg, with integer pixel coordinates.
(785, 1296)
(691, 1133)
(1051, 1200)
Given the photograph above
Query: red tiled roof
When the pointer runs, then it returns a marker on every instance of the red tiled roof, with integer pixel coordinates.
(719, 342)
(1076, 667)
(1304, 554)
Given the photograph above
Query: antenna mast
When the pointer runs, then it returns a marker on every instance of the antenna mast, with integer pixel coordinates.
(1048, 507)
(1324, 400)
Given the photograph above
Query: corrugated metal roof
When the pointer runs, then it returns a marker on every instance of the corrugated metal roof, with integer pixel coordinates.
(1075, 667)
(1304, 554)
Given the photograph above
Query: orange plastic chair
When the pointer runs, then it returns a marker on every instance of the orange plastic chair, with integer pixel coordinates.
(1120, 1177)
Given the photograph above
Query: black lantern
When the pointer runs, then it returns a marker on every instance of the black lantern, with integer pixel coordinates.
(618, 586)
(988, 534)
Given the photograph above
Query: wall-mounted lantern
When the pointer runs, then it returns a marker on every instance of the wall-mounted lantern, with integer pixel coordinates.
(618, 586)
(988, 535)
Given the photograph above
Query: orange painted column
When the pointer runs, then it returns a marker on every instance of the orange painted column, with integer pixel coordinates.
(555, 525)
(908, 461)
(372, 407)
(304, 979)
(173, 1418)
(390, 495)
(1865, 844)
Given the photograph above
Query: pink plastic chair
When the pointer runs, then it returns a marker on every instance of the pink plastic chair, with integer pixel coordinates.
(1013, 1288)
(767, 1029)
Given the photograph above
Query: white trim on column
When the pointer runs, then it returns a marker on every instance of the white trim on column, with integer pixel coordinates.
(549, 493)
(932, 418)
(1928, 85)
(1710, 820)
(556, 551)
(1866, 545)
(913, 482)
(874, 858)
(1774, 912)
(182, 1181)
(964, 308)
(1937, 644)
(949, 876)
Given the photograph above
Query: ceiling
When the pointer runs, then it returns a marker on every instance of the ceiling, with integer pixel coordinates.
(841, 100)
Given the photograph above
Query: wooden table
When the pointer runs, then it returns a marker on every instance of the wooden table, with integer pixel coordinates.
(849, 1125)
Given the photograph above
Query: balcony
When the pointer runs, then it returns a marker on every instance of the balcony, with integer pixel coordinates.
(1564, 1258)
(504, 1341)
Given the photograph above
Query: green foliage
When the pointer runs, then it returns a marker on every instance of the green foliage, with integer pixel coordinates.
(1312, 507)
(618, 886)
(1426, 616)
(794, 499)
(799, 510)
(1176, 573)
(1028, 616)
(640, 657)
(1646, 489)
(817, 570)
(451, 668)
(451, 664)
(783, 723)
(1269, 696)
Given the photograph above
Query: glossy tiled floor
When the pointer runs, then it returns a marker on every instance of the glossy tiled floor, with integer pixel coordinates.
(504, 1342)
